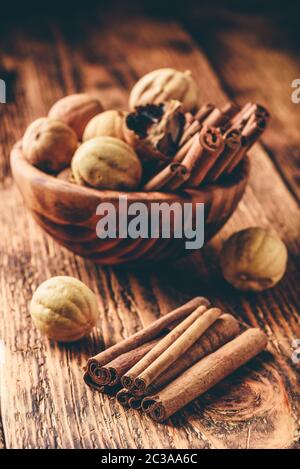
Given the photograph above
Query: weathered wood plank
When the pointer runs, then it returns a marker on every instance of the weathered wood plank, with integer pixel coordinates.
(43, 399)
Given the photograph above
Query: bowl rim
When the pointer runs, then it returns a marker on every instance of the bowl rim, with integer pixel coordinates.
(239, 175)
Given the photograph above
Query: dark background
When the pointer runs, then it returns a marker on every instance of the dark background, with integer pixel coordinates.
(285, 11)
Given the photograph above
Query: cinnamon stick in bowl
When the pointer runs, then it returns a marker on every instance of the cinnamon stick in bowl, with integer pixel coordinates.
(220, 117)
(233, 143)
(173, 174)
(205, 374)
(203, 154)
(248, 110)
(194, 124)
(251, 131)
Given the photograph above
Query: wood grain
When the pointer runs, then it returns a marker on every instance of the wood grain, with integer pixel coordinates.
(44, 401)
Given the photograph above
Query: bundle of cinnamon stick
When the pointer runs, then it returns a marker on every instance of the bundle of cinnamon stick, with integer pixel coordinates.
(175, 359)
(213, 143)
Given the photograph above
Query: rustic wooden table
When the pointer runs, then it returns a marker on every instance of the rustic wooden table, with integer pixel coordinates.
(44, 402)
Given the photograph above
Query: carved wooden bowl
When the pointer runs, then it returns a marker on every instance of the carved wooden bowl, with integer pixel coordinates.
(67, 212)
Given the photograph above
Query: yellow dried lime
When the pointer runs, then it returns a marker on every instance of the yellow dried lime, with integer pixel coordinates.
(49, 144)
(253, 259)
(165, 84)
(64, 309)
(106, 124)
(106, 163)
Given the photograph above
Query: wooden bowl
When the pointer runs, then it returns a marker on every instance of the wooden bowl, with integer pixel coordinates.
(67, 212)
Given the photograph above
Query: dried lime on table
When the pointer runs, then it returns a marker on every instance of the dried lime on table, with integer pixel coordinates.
(253, 259)
(64, 309)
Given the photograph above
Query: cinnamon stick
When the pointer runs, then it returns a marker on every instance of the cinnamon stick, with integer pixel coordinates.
(112, 371)
(203, 154)
(167, 178)
(230, 109)
(242, 114)
(194, 125)
(179, 180)
(128, 380)
(250, 133)
(203, 112)
(207, 115)
(141, 337)
(109, 390)
(233, 140)
(91, 383)
(205, 374)
(177, 349)
(135, 402)
(228, 118)
(184, 149)
(220, 117)
(248, 110)
(224, 329)
(123, 397)
(191, 129)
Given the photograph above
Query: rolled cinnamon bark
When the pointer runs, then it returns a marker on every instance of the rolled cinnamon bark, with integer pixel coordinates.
(150, 332)
(177, 181)
(220, 117)
(214, 118)
(248, 110)
(128, 380)
(194, 125)
(250, 133)
(177, 349)
(167, 178)
(91, 383)
(203, 154)
(192, 128)
(254, 128)
(205, 374)
(242, 114)
(233, 142)
(112, 371)
(109, 390)
(123, 397)
(230, 109)
(227, 118)
(224, 329)
(203, 112)
(184, 149)
(135, 402)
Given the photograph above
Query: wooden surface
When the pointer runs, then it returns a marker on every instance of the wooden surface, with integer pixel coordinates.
(44, 402)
